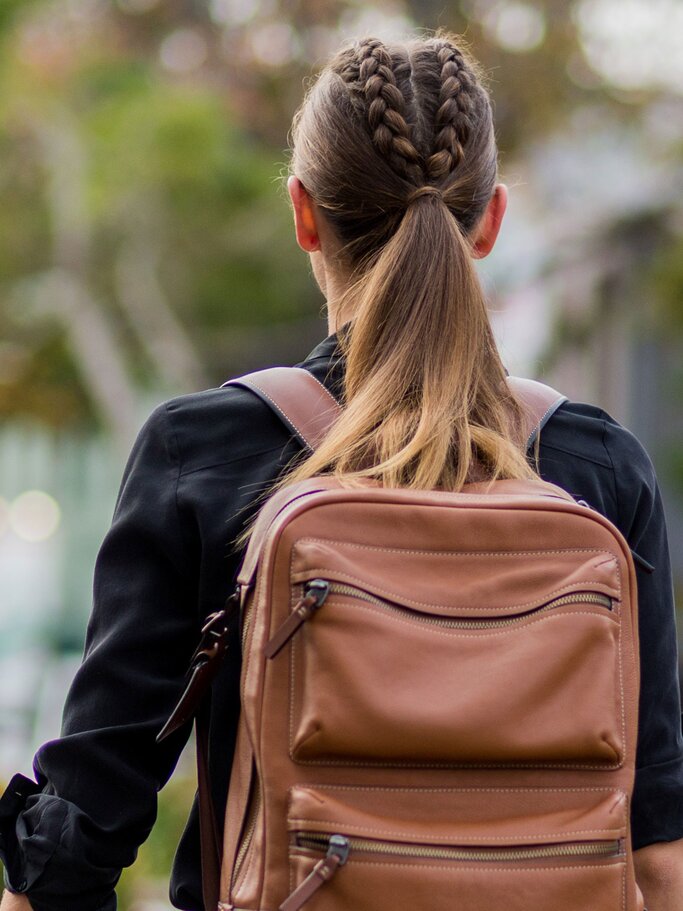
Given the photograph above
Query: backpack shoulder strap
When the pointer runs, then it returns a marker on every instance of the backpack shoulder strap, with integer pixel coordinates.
(540, 402)
(308, 409)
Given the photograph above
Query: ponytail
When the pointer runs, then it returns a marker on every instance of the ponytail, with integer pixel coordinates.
(395, 145)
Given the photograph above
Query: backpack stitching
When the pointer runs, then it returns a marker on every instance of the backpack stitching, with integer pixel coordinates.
(464, 553)
(360, 829)
(429, 790)
(619, 862)
(324, 388)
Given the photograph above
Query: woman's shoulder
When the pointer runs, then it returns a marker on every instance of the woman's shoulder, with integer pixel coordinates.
(587, 451)
(589, 432)
(229, 422)
(216, 425)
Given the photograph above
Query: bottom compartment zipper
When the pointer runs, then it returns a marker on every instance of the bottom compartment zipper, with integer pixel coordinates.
(338, 848)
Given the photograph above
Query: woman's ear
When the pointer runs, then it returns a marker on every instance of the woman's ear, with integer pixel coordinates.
(487, 230)
(304, 216)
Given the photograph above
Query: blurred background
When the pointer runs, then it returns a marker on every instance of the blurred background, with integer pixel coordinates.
(146, 251)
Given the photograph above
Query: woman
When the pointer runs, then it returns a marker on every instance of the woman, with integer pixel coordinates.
(394, 191)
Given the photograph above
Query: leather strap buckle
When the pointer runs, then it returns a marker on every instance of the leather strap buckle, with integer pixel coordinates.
(204, 665)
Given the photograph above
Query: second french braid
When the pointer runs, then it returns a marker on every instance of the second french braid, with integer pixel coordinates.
(452, 120)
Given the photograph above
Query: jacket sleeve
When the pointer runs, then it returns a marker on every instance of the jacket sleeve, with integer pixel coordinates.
(65, 838)
(658, 795)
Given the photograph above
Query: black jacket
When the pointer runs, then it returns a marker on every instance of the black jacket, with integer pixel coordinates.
(167, 561)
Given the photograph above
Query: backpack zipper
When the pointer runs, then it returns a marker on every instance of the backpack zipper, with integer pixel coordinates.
(316, 592)
(587, 597)
(337, 849)
(249, 829)
(316, 841)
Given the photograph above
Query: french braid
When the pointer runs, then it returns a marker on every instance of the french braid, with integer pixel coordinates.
(452, 121)
(386, 109)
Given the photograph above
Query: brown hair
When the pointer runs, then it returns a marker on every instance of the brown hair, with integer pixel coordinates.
(395, 145)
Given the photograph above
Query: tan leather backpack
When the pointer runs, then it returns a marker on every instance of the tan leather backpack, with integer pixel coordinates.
(439, 695)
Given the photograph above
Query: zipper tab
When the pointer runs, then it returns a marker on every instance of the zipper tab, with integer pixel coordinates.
(324, 870)
(339, 846)
(315, 593)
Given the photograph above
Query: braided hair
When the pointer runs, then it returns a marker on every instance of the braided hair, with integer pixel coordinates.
(386, 106)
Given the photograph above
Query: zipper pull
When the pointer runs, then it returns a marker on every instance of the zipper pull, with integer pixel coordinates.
(315, 593)
(324, 870)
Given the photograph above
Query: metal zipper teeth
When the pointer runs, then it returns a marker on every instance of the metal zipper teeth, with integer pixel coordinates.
(613, 848)
(246, 626)
(252, 816)
(598, 598)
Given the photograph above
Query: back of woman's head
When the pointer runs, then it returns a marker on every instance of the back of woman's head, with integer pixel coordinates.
(395, 145)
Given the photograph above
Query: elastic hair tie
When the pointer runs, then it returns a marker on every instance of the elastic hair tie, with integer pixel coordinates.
(427, 190)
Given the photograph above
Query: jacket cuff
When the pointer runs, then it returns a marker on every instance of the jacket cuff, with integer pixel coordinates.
(44, 852)
(12, 804)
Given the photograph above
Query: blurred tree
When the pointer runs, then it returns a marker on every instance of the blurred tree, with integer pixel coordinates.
(144, 242)
(140, 224)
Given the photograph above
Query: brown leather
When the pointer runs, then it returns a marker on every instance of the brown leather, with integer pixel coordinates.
(309, 409)
(539, 401)
(204, 665)
(283, 500)
(210, 838)
(446, 709)
(321, 873)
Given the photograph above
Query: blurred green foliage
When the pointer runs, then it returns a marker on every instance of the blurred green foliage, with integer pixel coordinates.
(110, 165)
(149, 874)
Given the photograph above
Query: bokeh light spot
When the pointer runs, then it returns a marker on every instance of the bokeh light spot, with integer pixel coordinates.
(362, 19)
(34, 516)
(183, 51)
(633, 44)
(274, 44)
(238, 12)
(516, 27)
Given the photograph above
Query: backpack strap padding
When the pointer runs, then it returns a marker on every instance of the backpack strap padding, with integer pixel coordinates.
(308, 409)
(539, 401)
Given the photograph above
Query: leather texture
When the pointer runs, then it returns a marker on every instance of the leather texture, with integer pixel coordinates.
(452, 714)
(391, 722)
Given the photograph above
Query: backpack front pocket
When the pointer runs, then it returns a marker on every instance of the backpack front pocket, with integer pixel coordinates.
(341, 856)
(379, 682)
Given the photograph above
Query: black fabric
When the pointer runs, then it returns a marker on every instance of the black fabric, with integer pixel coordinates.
(191, 482)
